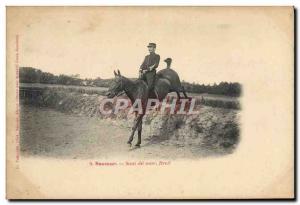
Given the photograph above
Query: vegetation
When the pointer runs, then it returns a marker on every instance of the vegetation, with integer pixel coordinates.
(33, 75)
(223, 88)
(220, 103)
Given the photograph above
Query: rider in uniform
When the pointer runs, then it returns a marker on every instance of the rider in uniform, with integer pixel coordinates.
(168, 61)
(148, 67)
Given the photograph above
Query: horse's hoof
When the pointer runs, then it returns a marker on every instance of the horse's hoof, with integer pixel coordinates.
(129, 143)
(138, 145)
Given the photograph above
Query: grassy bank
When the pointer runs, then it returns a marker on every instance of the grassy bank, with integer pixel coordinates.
(51, 94)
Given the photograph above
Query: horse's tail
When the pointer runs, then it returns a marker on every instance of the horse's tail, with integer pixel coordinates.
(184, 93)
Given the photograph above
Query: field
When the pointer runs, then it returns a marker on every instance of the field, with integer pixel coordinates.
(72, 88)
(205, 99)
(64, 122)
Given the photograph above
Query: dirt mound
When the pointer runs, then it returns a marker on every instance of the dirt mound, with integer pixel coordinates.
(213, 129)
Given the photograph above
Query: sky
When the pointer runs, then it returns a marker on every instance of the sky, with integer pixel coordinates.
(207, 45)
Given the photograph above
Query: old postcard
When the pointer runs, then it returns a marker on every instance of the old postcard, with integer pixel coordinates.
(150, 102)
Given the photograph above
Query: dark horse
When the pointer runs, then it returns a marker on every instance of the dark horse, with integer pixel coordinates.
(166, 81)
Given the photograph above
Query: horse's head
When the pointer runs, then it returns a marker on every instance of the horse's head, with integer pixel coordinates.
(116, 87)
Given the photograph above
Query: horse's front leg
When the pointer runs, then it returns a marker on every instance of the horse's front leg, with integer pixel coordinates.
(135, 125)
(140, 127)
(178, 95)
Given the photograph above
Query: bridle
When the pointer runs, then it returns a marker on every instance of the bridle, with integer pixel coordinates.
(121, 93)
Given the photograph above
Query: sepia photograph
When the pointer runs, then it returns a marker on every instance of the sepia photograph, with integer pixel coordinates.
(150, 102)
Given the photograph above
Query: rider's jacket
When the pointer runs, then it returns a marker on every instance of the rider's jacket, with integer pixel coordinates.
(150, 60)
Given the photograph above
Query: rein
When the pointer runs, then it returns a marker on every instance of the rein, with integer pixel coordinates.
(121, 93)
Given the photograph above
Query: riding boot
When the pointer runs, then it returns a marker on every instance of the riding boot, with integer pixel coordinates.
(150, 78)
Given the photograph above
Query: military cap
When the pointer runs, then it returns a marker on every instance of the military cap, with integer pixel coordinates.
(168, 60)
(152, 45)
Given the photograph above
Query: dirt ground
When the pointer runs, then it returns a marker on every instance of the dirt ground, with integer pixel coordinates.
(49, 133)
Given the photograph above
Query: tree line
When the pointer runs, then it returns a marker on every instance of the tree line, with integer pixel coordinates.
(223, 88)
(33, 75)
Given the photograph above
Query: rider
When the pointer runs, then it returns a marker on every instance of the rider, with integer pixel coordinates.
(148, 67)
(168, 61)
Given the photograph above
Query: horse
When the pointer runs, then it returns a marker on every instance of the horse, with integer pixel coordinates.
(138, 90)
(175, 83)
